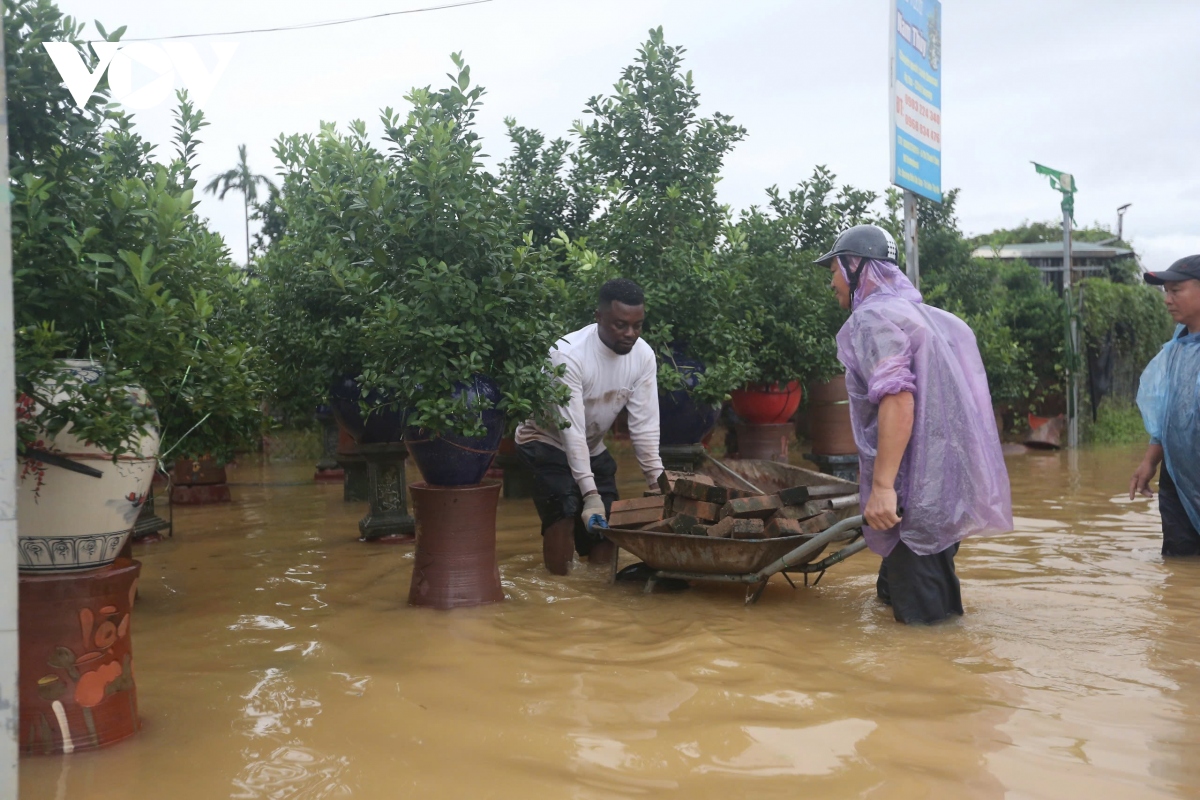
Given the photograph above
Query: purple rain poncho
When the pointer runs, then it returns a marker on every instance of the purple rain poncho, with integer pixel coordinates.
(952, 481)
(1169, 398)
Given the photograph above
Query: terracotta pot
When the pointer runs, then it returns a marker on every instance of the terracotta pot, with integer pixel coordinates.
(760, 404)
(765, 442)
(829, 418)
(68, 521)
(202, 472)
(76, 659)
(455, 560)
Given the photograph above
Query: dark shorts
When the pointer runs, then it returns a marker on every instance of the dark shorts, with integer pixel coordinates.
(920, 589)
(1179, 535)
(557, 496)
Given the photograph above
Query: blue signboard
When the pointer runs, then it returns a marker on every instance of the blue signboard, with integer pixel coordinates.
(916, 96)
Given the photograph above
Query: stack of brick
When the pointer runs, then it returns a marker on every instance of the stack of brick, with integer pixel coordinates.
(693, 505)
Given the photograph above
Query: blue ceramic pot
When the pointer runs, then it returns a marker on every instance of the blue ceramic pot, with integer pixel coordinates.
(681, 419)
(383, 425)
(452, 460)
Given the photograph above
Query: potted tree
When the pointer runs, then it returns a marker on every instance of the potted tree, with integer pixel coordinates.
(454, 314)
(121, 275)
(126, 336)
(793, 314)
(641, 193)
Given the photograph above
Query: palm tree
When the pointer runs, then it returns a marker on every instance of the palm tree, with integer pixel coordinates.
(246, 182)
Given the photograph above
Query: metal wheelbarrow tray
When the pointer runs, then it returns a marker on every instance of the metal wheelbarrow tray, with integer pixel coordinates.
(747, 561)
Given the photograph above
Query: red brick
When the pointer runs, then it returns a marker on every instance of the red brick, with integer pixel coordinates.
(705, 512)
(637, 503)
(661, 526)
(760, 507)
(809, 509)
(748, 529)
(636, 517)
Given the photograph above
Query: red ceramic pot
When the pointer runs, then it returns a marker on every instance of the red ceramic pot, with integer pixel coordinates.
(76, 679)
(455, 559)
(760, 404)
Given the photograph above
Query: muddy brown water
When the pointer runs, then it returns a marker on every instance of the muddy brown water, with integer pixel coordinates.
(275, 658)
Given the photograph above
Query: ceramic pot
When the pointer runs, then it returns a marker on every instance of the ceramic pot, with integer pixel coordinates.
(455, 560)
(68, 521)
(681, 419)
(383, 425)
(762, 404)
(451, 460)
(76, 659)
(829, 418)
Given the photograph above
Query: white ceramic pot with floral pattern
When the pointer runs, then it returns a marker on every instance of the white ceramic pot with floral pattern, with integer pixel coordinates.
(68, 521)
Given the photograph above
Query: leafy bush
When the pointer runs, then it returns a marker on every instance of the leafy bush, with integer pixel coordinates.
(407, 269)
(783, 295)
(113, 265)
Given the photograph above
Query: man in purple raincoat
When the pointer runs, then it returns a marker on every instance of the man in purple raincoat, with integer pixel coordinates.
(931, 471)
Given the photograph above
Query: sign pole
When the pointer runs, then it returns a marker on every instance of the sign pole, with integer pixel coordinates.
(911, 260)
(1064, 182)
(1073, 336)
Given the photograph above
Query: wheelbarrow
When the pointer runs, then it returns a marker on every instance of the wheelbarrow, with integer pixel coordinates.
(751, 562)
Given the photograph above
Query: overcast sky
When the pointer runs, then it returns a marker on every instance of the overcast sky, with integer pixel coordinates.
(1106, 89)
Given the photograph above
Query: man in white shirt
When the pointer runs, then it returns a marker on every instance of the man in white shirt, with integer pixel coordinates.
(608, 367)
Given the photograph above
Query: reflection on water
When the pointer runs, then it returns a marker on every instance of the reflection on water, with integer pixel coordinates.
(277, 659)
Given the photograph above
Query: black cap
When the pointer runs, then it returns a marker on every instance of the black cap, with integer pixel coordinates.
(1185, 269)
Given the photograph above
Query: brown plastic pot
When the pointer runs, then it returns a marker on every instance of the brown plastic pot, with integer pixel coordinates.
(76, 655)
(765, 442)
(455, 560)
(829, 418)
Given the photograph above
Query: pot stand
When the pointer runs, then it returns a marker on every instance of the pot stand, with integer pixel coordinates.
(455, 560)
(844, 467)
(355, 480)
(76, 659)
(764, 442)
(149, 522)
(387, 492)
(682, 457)
(327, 466)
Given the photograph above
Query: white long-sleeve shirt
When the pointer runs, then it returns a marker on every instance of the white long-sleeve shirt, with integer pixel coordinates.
(602, 383)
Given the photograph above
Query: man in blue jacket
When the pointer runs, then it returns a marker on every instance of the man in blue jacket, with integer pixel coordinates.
(1169, 399)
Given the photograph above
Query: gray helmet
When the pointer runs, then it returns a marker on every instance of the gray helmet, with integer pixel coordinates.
(867, 241)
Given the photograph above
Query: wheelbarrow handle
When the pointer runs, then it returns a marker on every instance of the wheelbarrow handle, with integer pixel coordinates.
(813, 545)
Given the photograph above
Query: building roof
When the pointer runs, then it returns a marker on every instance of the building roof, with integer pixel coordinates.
(1052, 250)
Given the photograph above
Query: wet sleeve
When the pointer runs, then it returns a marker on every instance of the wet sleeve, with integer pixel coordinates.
(574, 436)
(643, 421)
(884, 354)
(1152, 396)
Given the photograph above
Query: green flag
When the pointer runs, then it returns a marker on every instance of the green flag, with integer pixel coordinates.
(1063, 182)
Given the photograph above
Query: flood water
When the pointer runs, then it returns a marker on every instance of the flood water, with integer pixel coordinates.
(275, 658)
